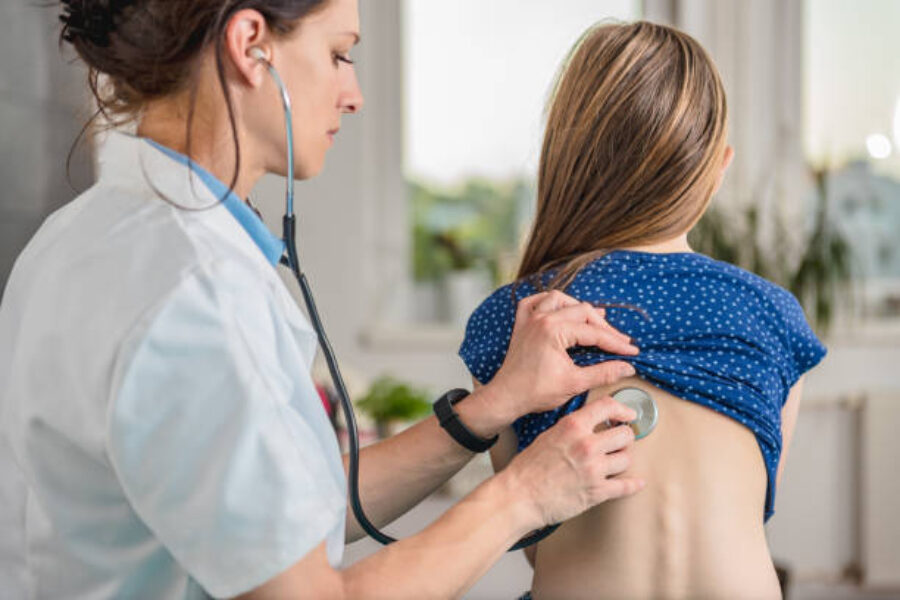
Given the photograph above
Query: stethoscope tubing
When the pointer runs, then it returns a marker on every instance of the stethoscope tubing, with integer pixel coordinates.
(289, 229)
(291, 260)
(289, 142)
(289, 226)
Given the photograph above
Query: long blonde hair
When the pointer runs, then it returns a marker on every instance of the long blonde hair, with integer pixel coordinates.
(635, 137)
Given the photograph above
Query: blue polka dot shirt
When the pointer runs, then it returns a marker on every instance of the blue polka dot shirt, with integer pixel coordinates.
(709, 332)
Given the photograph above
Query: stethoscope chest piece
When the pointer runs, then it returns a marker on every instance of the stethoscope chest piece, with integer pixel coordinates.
(643, 404)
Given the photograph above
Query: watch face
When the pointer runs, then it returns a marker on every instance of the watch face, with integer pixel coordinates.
(643, 404)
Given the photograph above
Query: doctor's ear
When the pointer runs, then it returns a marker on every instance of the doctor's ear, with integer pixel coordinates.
(245, 45)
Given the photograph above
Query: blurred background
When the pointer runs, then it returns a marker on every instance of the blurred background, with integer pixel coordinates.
(426, 197)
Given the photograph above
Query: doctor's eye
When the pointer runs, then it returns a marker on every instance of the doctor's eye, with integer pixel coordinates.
(341, 58)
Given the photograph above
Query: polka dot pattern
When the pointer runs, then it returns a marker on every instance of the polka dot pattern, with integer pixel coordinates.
(709, 332)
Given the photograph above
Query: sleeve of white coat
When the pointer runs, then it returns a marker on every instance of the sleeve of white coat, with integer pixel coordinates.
(215, 433)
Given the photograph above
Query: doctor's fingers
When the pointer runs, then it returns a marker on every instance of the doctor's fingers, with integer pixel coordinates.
(560, 309)
(616, 487)
(544, 302)
(596, 315)
(613, 464)
(605, 324)
(576, 330)
(569, 308)
(594, 376)
(599, 413)
(615, 439)
(591, 453)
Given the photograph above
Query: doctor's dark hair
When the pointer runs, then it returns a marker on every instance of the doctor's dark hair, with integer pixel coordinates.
(148, 49)
(633, 149)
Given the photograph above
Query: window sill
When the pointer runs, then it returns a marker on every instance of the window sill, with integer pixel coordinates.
(433, 337)
(871, 332)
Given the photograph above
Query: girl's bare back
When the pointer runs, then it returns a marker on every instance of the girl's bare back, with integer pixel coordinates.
(696, 531)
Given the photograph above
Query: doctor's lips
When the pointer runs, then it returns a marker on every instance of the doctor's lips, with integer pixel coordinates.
(332, 133)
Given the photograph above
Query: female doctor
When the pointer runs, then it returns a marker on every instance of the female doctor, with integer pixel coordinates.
(154, 370)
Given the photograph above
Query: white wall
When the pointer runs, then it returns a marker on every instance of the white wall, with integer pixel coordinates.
(42, 102)
(42, 107)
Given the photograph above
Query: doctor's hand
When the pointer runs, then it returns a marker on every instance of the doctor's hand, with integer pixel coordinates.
(538, 374)
(575, 465)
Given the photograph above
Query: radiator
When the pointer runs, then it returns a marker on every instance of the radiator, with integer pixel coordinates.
(880, 490)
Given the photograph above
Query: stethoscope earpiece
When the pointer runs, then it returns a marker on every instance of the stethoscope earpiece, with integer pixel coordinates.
(259, 54)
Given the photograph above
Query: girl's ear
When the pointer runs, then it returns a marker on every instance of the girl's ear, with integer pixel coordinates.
(726, 161)
(729, 155)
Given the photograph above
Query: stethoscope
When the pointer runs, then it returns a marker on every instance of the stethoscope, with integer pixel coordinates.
(637, 399)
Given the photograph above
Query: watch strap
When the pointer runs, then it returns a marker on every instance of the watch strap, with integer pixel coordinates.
(450, 421)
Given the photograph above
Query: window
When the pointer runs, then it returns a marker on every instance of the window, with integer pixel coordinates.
(477, 76)
(852, 136)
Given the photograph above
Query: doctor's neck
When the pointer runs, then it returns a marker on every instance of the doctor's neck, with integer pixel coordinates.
(210, 142)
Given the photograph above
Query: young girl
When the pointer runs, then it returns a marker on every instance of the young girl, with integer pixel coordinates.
(635, 147)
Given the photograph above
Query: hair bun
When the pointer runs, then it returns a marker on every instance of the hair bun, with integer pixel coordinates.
(91, 20)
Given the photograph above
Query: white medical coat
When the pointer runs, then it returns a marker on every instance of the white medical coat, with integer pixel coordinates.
(155, 396)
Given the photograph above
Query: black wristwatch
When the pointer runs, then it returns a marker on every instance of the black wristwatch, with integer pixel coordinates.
(451, 423)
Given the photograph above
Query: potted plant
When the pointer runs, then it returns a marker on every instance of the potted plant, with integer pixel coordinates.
(818, 273)
(464, 285)
(392, 403)
(465, 238)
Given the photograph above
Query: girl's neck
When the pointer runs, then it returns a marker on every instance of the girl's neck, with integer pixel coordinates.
(677, 244)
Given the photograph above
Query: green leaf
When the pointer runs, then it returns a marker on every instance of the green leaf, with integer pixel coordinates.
(389, 399)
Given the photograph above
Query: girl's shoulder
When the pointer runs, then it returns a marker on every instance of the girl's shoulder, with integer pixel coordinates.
(489, 330)
(692, 293)
(689, 272)
(678, 292)
(627, 276)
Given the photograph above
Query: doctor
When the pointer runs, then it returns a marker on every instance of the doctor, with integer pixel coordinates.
(154, 380)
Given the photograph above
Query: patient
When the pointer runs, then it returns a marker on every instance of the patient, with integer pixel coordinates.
(634, 149)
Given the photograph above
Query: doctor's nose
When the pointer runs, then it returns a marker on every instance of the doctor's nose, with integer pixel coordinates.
(351, 100)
